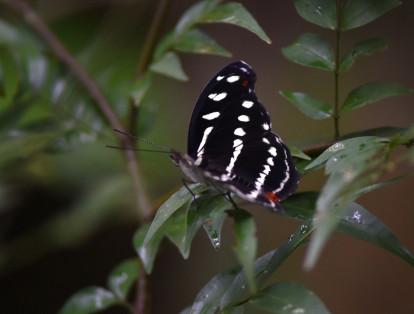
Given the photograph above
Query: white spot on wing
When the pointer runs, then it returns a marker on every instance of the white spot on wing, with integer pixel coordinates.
(200, 150)
(272, 151)
(265, 140)
(243, 118)
(237, 142)
(287, 175)
(247, 104)
(239, 132)
(270, 161)
(211, 96)
(219, 97)
(212, 115)
(233, 78)
(219, 78)
(265, 126)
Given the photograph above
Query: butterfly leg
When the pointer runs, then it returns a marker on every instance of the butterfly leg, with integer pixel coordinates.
(185, 183)
(228, 197)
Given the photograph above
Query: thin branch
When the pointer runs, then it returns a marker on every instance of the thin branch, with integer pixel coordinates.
(40, 27)
(146, 56)
(336, 72)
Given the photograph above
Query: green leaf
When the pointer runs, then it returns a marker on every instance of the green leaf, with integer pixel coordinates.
(373, 92)
(296, 152)
(288, 298)
(355, 220)
(319, 12)
(308, 105)
(265, 266)
(194, 15)
(356, 13)
(10, 77)
(311, 50)
(139, 89)
(175, 202)
(149, 251)
(361, 224)
(386, 131)
(363, 48)
(184, 224)
(214, 222)
(207, 300)
(246, 244)
(352, 164)
(346, 148)
(169, 65)
(196, 41)
(89, 300)
(236, 14)
(123, 277)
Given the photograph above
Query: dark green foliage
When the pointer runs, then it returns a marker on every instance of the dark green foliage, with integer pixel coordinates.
(36, 126)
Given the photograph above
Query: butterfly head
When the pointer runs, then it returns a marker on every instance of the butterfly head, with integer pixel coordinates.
(238, 71)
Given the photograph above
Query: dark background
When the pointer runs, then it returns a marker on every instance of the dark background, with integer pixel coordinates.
(351, 276)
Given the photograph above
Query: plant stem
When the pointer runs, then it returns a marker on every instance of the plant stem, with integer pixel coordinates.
(336, 72)
(40, 27)
(146, 56)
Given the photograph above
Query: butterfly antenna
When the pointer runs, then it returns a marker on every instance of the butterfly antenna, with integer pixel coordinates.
(139, 149)
(143, 140)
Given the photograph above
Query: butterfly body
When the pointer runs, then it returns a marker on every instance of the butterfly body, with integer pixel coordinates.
(231, 145)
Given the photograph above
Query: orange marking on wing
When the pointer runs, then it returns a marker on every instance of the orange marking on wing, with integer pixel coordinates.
(245, 83)
(272, 197)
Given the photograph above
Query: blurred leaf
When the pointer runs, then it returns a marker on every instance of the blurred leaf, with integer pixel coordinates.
(207, 300)
(319, 12)
(407, 136)
(123, 277)
(348, 147)
(352, 164)
(265, 266)
(355, 220)
(8, 33)
(296, 152)
(139, 90)
(311, 50)
(194, 15)
(246, 244)
(23, 146)
(308, 105)
(175, 202)
(386, 131)
(236, 14)
(356, 13)
(10, 77)
(360, 223)
(373, 92)
(234, 310)
(363, 48)
(169, 65)
(89, 300)
(187, 310)
(288, 298)
(380, 185)
(147, 252)
(196, 41)
(38, 112)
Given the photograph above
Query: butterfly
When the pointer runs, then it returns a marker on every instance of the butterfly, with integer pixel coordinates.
(231, 145)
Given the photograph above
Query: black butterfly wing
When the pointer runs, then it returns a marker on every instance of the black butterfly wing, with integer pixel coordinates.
(230, 137)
